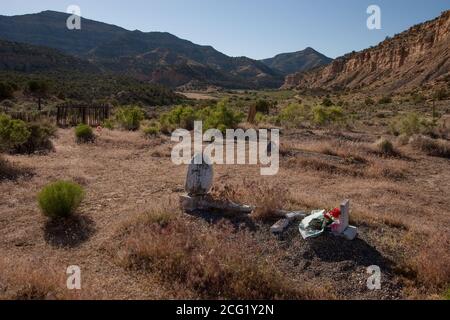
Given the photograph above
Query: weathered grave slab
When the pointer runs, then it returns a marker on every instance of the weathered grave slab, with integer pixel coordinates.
(200, 176)
(280, 226)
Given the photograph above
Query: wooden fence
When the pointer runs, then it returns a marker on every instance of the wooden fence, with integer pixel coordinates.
(72, 115)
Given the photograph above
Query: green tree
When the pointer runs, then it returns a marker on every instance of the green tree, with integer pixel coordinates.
(263, 106)
(39, 89)
(6, 91)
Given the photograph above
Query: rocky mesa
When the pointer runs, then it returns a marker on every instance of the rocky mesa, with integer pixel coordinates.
(418, 57)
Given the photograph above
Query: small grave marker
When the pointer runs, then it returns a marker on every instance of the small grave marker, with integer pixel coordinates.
(200, 176)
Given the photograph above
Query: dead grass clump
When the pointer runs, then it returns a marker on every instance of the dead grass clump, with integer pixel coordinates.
(10, 172)
(24, 280)
(382, 170)
(351, 152)
(212, 262)
(385, 147)
(6, 170)
(267, 199)
(431, 264)
(432, 147)
(328, 168)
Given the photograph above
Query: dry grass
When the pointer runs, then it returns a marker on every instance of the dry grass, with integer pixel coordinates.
(432, 147)
(10, 172)
(432, 263)
(31, 280)
(268, 198)
(396, 202)
(212, 262)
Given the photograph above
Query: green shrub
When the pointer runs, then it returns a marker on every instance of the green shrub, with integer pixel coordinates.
(326, 116)
(84, 134)
(13, 133)
(385, 146)
(327, 102)
(39, 138)
(179, 117)
(152, 130)
(129, 118)
(385, 100)
(6, 91)
(108, 124)
(60, 199)
(220, 117)
(294, 115)
(408, 124)
(263, 106)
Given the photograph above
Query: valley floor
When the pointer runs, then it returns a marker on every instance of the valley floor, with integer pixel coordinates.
(400, 205)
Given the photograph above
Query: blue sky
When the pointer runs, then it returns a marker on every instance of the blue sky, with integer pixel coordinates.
(253, 28)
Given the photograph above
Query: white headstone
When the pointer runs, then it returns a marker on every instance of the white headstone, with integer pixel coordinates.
(344, 217)
(200, 175)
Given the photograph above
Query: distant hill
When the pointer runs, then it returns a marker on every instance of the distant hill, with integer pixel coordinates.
(287, 63)
(153, 56)
(418, 57)
(27, 58)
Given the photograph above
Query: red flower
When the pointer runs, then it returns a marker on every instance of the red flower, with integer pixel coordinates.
(335, 213)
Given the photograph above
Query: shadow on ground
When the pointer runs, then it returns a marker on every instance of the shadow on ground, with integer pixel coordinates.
(330, 248)
(238, 221)
(10, 172)
(69, 232)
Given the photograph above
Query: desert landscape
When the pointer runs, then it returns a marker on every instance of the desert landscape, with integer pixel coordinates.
(372, 127)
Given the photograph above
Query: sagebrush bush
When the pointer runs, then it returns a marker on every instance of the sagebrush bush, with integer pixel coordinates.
(384, 146)
(220, 116)
(130, 117)
(39, 139)
(410, 124)
(17, 136)
(108, 124)
(263, 106)
(294, 115)
(326, 116)
(84, 134)
(151, 131)
(385, 100)
(6, 91)
(13, 133)
(432, 147)
(60, 199)
(179, 117)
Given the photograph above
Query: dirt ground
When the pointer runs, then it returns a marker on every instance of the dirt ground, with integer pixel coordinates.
(398, 204)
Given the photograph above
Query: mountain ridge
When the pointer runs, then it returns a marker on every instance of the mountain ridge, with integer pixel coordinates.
(152, 56)
(291, 62)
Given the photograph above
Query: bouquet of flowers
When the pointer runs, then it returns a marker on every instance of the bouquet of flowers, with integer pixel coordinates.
(332, 219)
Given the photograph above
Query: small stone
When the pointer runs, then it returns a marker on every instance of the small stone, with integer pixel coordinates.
(280, 226)
(291, 216)
(350, 233)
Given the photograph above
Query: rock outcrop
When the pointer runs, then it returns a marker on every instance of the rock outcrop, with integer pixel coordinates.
(415, 58)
